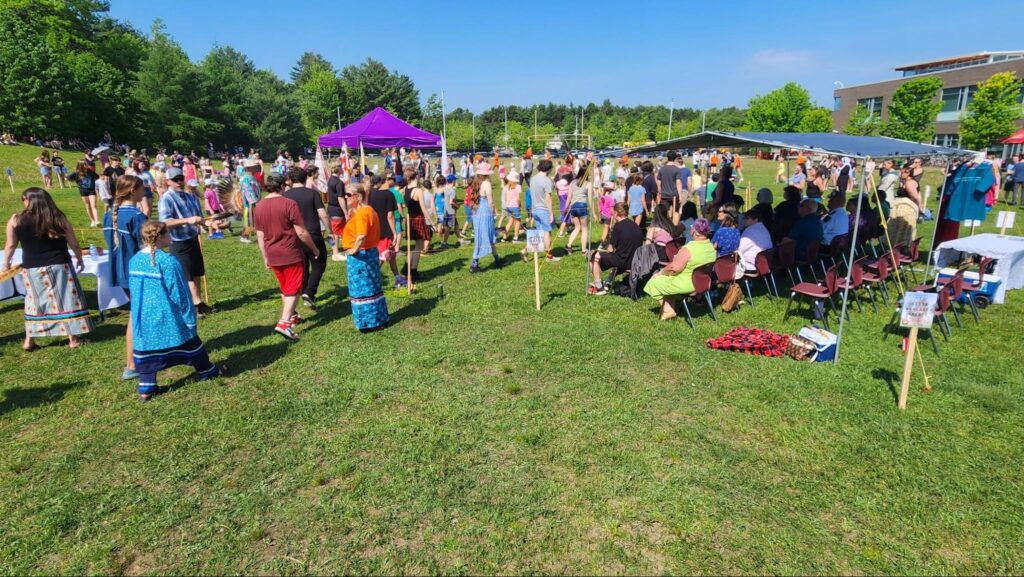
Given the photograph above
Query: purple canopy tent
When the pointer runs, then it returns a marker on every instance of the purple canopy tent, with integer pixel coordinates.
(380, 129)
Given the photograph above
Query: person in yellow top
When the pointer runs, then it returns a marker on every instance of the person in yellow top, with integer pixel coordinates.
(362, 262)
(676, 279)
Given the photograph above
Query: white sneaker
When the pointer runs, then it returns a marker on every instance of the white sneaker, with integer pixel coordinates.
(244, 240)
(338, 257)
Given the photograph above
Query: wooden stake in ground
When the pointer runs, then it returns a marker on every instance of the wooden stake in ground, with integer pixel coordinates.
(908, 366)
(408, 251)
(206, 288)
(747, 199)
(918, 312)
(10, 178)
(536, 277)
(1005, 220)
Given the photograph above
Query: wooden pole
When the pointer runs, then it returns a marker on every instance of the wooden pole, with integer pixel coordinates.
(408, 250)
(908, 366)
(747, 199)
(536, 278)
(206, 288)
(11, 180)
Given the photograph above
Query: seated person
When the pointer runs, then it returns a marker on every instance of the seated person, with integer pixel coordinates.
(787, 212)
(663, 230)
(754, 240)
(727, 238)
(676, 279)
(837, 221)
(807, 228)
(764, 205)
(903, 217)
(625, 238)
(689, 217)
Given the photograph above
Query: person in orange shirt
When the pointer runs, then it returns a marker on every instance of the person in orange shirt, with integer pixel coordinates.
(496, 161)
(362, 262)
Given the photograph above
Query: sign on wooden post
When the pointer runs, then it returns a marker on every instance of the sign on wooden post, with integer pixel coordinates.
(10, 177)
(918, 313)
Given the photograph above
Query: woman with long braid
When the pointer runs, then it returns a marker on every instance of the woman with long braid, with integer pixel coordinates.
(122, 229)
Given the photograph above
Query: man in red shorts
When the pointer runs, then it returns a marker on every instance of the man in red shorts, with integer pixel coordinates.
(280, 230)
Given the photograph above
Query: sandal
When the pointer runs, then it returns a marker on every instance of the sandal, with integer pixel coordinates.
(81, 343)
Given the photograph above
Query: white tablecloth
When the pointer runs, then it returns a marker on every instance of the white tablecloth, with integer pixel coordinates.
(109, 296)
(1008, 250)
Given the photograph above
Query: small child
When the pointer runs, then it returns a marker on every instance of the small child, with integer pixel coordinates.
(163, 316)
(562, 188)
(604, 205)
(213, 206)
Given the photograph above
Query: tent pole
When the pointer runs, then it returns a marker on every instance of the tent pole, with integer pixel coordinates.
(935, 229)
(849, 266)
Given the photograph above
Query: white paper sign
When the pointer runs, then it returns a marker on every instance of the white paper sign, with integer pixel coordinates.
(534, 240)
(919, 310)
(971, 223)
(1006, 218)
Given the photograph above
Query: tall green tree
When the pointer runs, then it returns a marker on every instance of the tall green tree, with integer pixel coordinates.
(781, 110)
(432, 115)
(270, 112)
(319, 99)
(862, 122)
(816, 120)
(309, 63)
(172, 104)
(225, 74)
(32, 95)
(913, 110)
(992, 113)
(371, 84)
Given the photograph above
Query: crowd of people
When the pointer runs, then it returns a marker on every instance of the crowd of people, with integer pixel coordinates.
(299, 210)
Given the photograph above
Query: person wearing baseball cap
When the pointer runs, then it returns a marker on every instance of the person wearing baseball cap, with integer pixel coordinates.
(181, 212)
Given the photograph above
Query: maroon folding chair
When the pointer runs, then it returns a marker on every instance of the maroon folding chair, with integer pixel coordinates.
(702, 284)
(762, 269)
(837, 250)
(817, 293)
(879, 276)
(785, 259)
(811, 258)
(909, 258)
(856, 284)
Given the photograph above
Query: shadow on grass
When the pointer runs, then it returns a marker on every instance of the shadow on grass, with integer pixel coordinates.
(24, 398)
(552, 297)
(335, 309)
(416, 308)
(242, 300)
(429, 274)
(891, 379)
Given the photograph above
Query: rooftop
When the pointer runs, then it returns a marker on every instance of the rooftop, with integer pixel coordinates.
(959, 62)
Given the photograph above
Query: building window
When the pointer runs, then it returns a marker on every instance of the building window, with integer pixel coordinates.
(947, 140)
(838, 103)
(874, 105)
(955, 101)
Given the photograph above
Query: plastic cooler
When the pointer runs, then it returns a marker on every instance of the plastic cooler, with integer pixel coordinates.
(983, 297)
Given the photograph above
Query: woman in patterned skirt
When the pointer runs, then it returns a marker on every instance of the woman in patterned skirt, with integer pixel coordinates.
(54, 301)
(362, 262)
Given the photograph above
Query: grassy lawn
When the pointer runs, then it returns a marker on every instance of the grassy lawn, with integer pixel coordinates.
(477, 435)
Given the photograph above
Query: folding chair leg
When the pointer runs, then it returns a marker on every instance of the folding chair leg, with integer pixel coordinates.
(974, 308)
(820, 306)
(871, 294)
(944, 327)
(935, 343)
(750, 291)
(798, 274)
(814, 275)
(885, 292)
(956, 315)
(767, 288)
(792, 281)
(776, 286)
(892, 323)
(689, 318)
(788, 306)
(711, 307)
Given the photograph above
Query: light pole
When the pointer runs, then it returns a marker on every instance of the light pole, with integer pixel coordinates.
(671, 109)
(472, 119)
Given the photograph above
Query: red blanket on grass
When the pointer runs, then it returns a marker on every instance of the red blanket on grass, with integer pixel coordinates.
(752, 342)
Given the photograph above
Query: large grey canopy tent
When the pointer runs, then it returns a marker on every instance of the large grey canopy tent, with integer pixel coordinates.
(859, 147)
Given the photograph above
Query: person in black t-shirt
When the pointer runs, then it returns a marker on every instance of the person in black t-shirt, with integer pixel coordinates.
(383, 202)
(650, 184)
(626, 237)
(314, 217)
(336, 207)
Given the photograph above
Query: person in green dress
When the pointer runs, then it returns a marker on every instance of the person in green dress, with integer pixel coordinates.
(676, 279)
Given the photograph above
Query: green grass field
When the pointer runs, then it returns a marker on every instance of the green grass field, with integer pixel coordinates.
(477, 435)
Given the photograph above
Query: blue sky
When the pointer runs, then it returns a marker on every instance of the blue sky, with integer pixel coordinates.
(484, 54)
